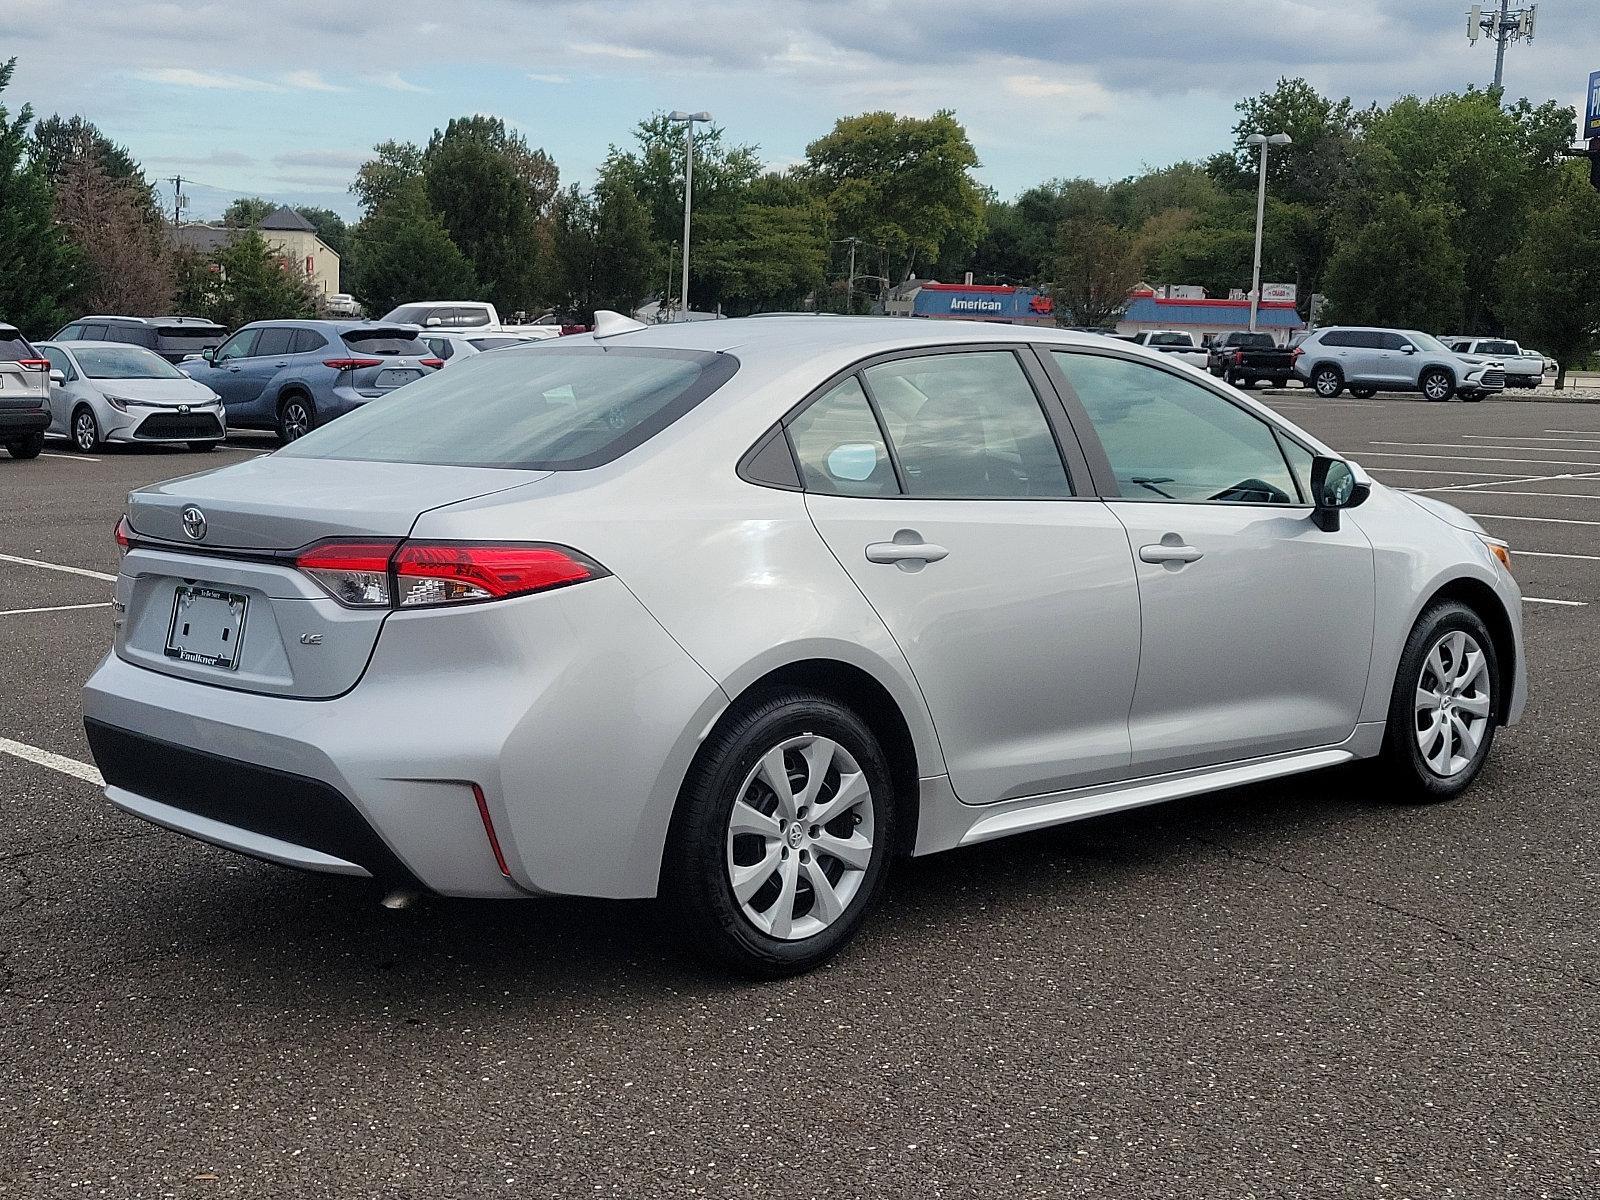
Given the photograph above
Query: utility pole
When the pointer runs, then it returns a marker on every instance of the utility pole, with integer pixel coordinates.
(1505, 26)
(1263, 140)
(177, 200)
(850, 286)
(688, 120)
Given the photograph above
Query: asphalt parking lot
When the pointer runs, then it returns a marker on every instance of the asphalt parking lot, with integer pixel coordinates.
(1290, 990)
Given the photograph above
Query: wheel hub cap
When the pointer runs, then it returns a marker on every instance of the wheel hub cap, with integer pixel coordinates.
(1453, 703)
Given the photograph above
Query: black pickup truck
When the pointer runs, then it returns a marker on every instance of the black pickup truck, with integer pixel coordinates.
(1246, 358)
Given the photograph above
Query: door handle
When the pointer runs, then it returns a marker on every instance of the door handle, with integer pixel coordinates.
(905, 552)
(1164, 552)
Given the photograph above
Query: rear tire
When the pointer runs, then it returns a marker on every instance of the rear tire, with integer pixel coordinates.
(795, 904)
(85, 430)
(1328, 381)
(1444, 707)
(30, 446)
(1437, 385)
(1472, 397)
(202, 447)
(1363, 393)
(297, 416)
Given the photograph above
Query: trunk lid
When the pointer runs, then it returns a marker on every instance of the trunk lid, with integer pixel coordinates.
(229, 608)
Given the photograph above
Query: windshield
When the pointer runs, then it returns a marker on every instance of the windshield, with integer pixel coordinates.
(1498, 348)
(123, 362)
(1423, 342)
(544, 409)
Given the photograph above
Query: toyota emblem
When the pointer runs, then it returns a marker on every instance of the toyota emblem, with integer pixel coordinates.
(194, 523)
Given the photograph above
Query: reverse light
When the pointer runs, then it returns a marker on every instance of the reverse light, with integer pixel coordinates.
(351, 364)
(1501, 550)
(356, 574)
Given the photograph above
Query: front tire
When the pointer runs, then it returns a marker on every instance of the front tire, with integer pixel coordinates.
(1444, 706)
(202, 447)
(783, 835)
(1327, 381)
(297, 416)
(85, 430)
(30, 446)
(1437, 385)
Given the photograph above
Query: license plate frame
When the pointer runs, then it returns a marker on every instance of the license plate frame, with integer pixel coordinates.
(388, 378)
(218, 643)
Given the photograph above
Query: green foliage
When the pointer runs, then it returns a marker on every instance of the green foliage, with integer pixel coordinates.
(1400, 268)
(402, 252)
(903, 181)
(1551, 298)
(1096, 263)
(60, 141)
(394, 164)
(601, 251)
(248, 211)
(39, 269)
(252, 283)
(773, 258)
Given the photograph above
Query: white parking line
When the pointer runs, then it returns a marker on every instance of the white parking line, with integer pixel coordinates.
(1546, 495)
(17, 612)
(1504, 476)
(1541, 520)
(68, 457)
(1554, 554)
(1476, 446)
(1589, 432)
(1462, 487)
(1548, 462)
(1565, 603)
(56, 762)
(1509, 437)
(50, 566)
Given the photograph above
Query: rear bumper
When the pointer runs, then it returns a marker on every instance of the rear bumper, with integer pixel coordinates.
(19, 422)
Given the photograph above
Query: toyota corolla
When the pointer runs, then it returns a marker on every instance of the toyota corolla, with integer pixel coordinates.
(739, 612)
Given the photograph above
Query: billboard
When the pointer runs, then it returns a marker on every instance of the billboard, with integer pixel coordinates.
(1277, 293)
(1591, 118)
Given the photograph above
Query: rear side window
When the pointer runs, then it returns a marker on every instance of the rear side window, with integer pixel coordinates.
(93, 333)
(839, 446)
(134, 335)
(442, 347)
(386, 342)
(70, 334)
(466, 318)
(306, 340)
(14, 348)
(967, 425)
(1339, 338)
(566, 409)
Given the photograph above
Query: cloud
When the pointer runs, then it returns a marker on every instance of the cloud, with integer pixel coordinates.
(328, 160)
(310, 81)
(217, 158)
(537, 78)
(395, 82)
(608, 50)
(184, 77)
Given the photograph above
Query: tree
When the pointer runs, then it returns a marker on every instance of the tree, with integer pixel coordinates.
(1401, 268)
(381, 177)
(773, 257)
(60, 141)
(403, 253)
(601, 249)
(39, 269)
(903, 181)
(128, 265)
(248, 211)
(256, 284)
(330, 226)
(654, 173)
(1551, 299)
(1096, 264)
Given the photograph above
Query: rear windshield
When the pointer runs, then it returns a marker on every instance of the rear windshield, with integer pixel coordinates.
(1498, 348)
(188, 336)
(14, 347)
(1171, 339)
(548, 409)
(124, 362)
(385, 342)
(494, 343)
(1251, 339)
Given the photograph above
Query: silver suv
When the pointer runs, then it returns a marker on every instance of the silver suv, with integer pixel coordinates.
(24, 394)
(1367, 361)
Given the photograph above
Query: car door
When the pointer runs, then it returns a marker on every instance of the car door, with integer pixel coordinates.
(1257, 625)
(272, 353)
(63, 394)
(1400, 368)
(227, 376)
(937, 480)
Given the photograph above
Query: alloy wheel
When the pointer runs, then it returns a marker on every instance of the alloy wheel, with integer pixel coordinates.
(1436, 387)
(84, 433)
(1453, 701)
(1327, 382)
(800, 837)
(296, 421)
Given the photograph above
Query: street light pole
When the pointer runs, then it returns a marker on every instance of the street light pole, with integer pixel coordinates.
(688, 120)
(1263, 140)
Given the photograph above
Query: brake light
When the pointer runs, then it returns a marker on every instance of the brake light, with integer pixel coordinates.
(428, 573)
(1295, 352)
(351, 364)
(124, 534)
(431, 362)
(387, 574)
(34, 364)
(356, 574)
(1238, 358)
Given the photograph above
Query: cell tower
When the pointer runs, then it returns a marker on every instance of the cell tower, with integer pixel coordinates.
(1507, 25)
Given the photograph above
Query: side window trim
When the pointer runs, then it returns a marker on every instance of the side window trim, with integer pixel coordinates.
(1110, 489)
(883, 432)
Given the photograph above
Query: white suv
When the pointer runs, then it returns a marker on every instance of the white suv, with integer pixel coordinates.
(1370, 360)
(24, 394)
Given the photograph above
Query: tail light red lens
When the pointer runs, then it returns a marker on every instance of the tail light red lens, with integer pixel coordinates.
(361, 574)
(351, 364)
(1296, 352)
(435, 363)
(1238, 358)
(124, 534)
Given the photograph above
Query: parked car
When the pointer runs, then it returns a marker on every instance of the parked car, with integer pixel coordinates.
(453, 347)
(1370, 360)
(342, 304)
(24, 394)
(291, 376)
(173, 338)
(1174, 342)
(735, 612)
(1522, 370)
(1245, 359)
(113, 392)
(465, 314)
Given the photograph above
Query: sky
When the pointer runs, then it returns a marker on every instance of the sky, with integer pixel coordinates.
(285, 98)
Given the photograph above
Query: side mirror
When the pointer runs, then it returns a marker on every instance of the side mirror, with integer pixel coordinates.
(209, 354)
(1407, 348)
(57, 378)
(433, 322)
(1334, 486)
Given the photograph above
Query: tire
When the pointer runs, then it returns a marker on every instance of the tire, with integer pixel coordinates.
(777, 928)
(1363, 393)
(1436, 384)
(30, 446)
(202, 447)
(1247, 383)
(84, 433)
(297, 416)
(1327, 381)
(1441, 648)
(1472, 397)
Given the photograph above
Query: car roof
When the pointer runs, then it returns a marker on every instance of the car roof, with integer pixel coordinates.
(72, 344)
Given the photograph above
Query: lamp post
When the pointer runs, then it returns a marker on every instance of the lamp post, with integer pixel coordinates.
(1263, 140)
(688, 120)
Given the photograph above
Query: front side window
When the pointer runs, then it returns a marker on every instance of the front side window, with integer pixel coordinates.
(58, 362)
(839, 446)
(1171, 439)
(968, 426)
(563, 409)
(239, 345)
(274, 341)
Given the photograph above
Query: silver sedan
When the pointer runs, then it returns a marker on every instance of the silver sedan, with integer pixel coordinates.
(738, 612)
(114, 392)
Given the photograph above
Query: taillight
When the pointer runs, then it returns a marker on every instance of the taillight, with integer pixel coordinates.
(1296, 352)
(34, 364)
(361, 574)
(428, 573)
(351, 364)
(431, 362)
(1238, 358)
(124, 534)
(356, 574)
